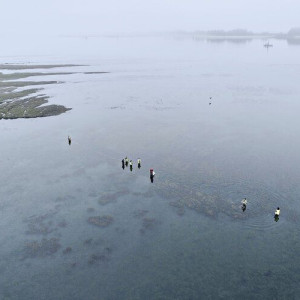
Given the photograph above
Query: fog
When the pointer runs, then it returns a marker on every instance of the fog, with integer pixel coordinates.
(57, 17)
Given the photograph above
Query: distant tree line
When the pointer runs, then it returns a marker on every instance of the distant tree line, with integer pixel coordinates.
(293, 33)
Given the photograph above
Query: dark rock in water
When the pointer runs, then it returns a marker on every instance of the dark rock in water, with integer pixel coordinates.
(45, 247)
(67, 250)
(101, 221)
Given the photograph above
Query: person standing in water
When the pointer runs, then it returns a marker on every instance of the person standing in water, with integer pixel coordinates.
(244, 204)
(152, 174)
(123, 164)
(139, 163)
(126, 161)
(277, 213)
(69, 140)
(130, 164)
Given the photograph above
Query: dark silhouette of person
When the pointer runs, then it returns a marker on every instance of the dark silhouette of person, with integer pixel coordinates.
(123, 164)
(152, 174)
(276, 215)
(69, 140)
(130, 164)
(244, 204)
(244, 207)
(139, 163)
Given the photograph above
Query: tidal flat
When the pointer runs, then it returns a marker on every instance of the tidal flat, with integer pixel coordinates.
(29, 102)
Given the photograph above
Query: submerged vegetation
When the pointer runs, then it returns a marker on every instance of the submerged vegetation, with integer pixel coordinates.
(101, 221)
(45, 247)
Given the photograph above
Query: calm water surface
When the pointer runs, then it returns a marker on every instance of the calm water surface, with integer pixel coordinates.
(184, 236)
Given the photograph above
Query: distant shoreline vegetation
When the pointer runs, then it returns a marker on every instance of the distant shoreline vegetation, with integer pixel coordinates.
(292, 36)
(235, 35)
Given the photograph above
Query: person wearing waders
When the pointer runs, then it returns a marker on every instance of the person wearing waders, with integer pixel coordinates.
(139, 163)
(130, 164)
(277, 213)
(123, 164)
(69, 140)
(126, 161)
(152, 174)
(244, 204)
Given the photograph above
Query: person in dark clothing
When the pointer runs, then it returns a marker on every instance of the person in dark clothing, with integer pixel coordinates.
(152, 174)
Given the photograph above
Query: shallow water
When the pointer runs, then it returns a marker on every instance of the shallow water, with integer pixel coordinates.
(154, 104)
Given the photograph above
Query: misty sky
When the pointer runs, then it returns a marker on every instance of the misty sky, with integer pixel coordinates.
(126, 16)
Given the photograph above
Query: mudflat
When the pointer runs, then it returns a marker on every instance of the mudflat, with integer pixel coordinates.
(17, 100)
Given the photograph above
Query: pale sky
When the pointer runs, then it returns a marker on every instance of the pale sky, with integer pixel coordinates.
(129, 16)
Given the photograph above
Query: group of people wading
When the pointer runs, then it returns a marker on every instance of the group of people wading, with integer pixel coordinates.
(126, 162)
(244, 206)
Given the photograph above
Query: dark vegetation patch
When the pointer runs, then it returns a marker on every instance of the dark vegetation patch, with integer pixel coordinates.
(40, 249)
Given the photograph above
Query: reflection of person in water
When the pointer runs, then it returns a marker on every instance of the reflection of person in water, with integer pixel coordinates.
(152, 174)
(69, 140)
(277, 213)
(244, 204)
(123, 164)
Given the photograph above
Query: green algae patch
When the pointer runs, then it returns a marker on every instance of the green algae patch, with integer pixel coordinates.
(27, 103)
(30, 108)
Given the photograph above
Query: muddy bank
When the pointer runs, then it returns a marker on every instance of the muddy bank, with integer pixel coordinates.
(23, 99)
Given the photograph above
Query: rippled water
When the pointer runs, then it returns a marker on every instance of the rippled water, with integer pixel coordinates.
(184, 236)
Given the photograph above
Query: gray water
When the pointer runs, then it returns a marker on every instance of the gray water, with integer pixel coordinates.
(154, 104)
